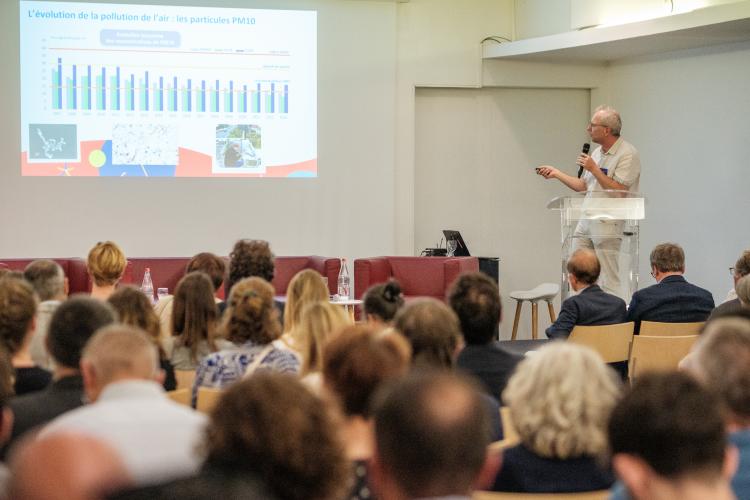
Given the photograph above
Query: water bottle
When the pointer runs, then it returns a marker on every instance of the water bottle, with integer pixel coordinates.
(343, 283)
(147, 287)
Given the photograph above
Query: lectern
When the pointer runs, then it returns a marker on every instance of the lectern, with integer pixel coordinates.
(607, 221)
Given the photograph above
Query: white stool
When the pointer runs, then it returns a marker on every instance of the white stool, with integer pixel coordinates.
(546, 292)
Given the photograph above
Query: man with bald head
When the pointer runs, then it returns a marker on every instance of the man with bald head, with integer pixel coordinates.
(431, 437)
(66, 465)
(156, 438)
(591, 305)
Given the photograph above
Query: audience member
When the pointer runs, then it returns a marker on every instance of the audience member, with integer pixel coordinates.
(270, 438)
(722, 362)
(560, 399)
(249, 258)
(251, 322)
(431, 435)
(432, 329)
(592, 305)
(74, 322)
(215, 268)
(741, 269)
(355, 365)
(672, 299)
(134, 309)
(17, 309)
(6, 414)
(194, 324)
(381, 302)
(48, 280)
(66, 466)
(741, 300)
(668, 440)
(307, 287)
(320, 321)
(156, 437)
(106, 264)
(476, 300)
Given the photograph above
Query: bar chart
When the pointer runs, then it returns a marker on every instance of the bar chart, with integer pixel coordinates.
(92, 87)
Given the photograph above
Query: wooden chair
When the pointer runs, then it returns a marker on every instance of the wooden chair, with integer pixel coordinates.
(184, 378)
(658, 353)
(493, 495)
(659, 329)
(207, 399)
(181, 396)
(612, 342)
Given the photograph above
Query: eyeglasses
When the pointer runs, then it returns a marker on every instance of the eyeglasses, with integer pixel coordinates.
(653, 274)
(592, 125)
(731, 271)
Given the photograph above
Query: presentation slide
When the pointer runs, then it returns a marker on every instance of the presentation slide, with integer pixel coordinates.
(163, 91)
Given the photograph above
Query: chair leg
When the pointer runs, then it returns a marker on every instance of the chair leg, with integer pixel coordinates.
(534, 320)
(551, 312)
(519, 303)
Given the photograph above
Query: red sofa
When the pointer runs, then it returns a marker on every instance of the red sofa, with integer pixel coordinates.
(418, 276)
(167, 271)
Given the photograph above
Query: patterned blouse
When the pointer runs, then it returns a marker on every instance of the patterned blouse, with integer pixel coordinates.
(221, 369)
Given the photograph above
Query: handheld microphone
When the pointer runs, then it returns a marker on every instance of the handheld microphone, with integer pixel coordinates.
(584, 150)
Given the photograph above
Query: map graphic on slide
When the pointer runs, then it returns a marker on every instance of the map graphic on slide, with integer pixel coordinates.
(144, 90)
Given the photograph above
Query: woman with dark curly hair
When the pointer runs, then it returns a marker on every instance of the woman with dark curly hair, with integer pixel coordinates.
(251, 322)
(250, 258)
(134, 309)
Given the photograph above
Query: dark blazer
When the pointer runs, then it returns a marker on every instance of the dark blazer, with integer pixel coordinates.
(490, 364)
(38, 408)
(673, 300)
(593, 306)
(525, 471)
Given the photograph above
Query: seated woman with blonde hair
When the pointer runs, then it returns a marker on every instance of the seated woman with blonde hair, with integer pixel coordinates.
(307, 287)
(105, 264)
(251, 323)
(560, 398)
(319, 322)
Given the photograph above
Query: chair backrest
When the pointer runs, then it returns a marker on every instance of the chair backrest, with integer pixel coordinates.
(494, 495)
(207, 399)
(184, 378)
(181, 396)
(658, 353)
(659, 329)
(612, 342)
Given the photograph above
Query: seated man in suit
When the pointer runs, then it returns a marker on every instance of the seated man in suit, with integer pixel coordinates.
(672, 299)
(592, 305)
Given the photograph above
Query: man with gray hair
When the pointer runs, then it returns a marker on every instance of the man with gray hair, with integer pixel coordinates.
(156, 437)
(672, 299)
(51, 286)
(614, 165)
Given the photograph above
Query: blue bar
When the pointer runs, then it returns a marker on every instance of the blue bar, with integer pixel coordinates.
(59, 81)
(244, 98)
(174, 94)
(132, 92)
(161, 93)
(75, 84)
(273, 97)
(286, 99)
(117, 102)
(231, 95)
(217, 97)
(190, 97)
(257, 98)
(146, 91)
(203, 96)
(103, 89)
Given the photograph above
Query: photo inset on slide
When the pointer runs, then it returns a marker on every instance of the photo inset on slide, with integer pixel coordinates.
(238, 147)
(144, 144)
(51, 142)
